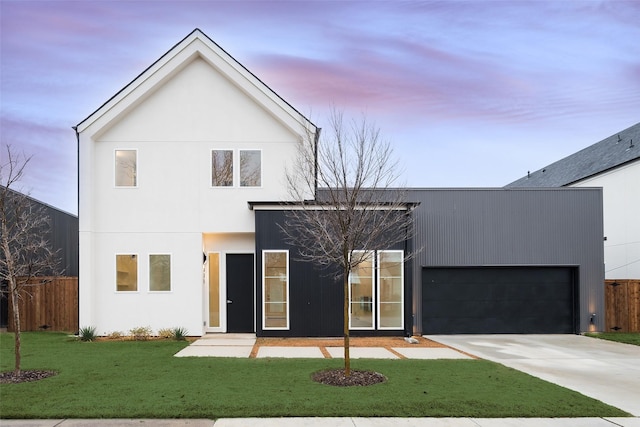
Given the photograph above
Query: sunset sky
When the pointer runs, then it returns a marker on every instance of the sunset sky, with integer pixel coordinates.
(471, 93)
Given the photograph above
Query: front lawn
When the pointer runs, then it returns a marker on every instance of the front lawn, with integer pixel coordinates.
(623, 337)
(143, 380)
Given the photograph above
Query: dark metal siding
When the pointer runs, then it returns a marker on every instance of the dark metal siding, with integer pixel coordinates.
(518, 227)
(316, 298)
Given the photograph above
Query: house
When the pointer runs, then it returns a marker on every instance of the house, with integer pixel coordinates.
(614, 165)
(181, 191)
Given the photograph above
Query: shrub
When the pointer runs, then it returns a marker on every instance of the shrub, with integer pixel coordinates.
(166, 333)
(141, 333)
(180, 334)
(115, 335)
(87, 333)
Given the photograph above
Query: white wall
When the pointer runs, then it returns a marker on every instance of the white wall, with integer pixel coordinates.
(173, 127)
(621, 194)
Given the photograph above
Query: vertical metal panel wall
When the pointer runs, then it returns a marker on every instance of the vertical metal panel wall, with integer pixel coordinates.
(519, 227)
(316, 298)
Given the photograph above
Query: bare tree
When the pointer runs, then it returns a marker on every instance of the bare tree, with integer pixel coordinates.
(347, 205)
(25, 252)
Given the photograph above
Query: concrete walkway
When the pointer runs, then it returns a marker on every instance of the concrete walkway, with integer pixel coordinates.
(242, 345)
(605, 370)
(337, 422)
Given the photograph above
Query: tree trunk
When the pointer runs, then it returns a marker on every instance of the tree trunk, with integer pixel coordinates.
(13, 294)
(347, 358)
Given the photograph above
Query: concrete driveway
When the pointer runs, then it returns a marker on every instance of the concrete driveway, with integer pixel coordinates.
(604, 370)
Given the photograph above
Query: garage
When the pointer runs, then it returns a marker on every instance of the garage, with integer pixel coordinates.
(499, 300)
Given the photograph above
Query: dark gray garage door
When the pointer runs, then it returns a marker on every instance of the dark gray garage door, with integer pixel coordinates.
(498, 300)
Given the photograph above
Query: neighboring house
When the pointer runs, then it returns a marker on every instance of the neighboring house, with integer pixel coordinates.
(181, 184)
(63, 237)
(614, 165)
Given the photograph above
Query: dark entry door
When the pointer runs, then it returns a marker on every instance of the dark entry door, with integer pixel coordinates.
(240, 307)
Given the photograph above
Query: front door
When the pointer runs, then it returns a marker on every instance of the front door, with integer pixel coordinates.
(240, 292)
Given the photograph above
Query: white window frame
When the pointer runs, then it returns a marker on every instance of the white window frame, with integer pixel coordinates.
(170, 273)
(137, 179)
(373, 290)
(115, 269)
(378, 290)
(240, 168)
(233, 165)
(287, 291)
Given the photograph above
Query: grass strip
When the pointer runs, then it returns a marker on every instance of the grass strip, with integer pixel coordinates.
(143, 380)
(623, 337)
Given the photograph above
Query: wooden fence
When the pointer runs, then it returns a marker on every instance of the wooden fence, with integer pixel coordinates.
(51, 306)
(622, 305)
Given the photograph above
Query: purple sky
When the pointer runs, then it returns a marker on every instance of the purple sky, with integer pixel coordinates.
(471, 93)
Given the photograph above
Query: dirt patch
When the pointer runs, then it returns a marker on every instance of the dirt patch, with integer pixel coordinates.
(25, 376)
(336, 377)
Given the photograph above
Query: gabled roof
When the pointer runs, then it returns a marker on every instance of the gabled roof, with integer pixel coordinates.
(196, 44)
(612, 152)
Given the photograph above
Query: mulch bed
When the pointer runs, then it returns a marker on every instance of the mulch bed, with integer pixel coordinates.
(336, 377)
(386, 342)
(25, 376)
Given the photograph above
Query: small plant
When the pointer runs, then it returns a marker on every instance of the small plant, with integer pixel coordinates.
(115, 335)
(87, 333)
(180, 333)
(166, 333)
(141, 333)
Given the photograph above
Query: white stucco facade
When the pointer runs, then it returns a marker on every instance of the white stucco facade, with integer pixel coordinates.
(621, 199)
(193, 100)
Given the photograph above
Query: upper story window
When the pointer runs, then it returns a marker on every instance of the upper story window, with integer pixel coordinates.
(221, 168)
(126, 168)
(250, 168)
(247, 162)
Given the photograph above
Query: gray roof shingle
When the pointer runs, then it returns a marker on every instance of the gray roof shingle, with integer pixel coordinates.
(616, 150)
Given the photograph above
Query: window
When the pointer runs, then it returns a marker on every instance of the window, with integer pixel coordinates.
(126, 168)
(275, 289)
(383, 302)
(159, 272)
(361, 309)
(127, 273)
(390, 290)
(250, 168)
(221, 168)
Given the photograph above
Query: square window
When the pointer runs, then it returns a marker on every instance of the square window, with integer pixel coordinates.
(250, 168)
(127, 273)
(159, 272)
(126, 168)
(221, 168)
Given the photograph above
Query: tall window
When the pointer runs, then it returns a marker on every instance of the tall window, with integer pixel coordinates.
(376, 291)
(127, 273)
(275, 289)
(361, 308)
(159, 272)
(390, 289)
(250, 168)
(126, 168)
(222, 168)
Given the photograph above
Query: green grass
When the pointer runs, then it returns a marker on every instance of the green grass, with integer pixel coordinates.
(132, 379)
(624, 337)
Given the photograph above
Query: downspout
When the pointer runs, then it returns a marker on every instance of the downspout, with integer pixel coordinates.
(315, 159)
(75, 129)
